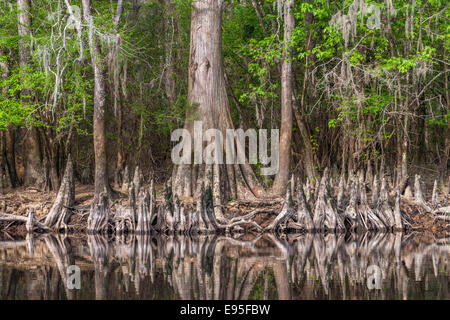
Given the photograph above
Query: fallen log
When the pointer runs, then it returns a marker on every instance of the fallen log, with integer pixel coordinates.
(445, 218)
(30, 221)
(252, 214)
(443, 210)
(259, 203)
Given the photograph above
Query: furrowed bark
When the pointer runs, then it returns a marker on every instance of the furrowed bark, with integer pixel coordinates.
(340, 195)
(287, 210)
(397, 213)
(383, 209)
(61, 210)
(375, 191)
(304, 215)
(101, 166)
(4, 163)
(207, 91)
(153, 213)
(144, 213)
(351, 215)
(371, 219)
(434, 196)
(99, 215)
(10, 135)
(137, 180)
(418, 195)
(333, 220)
(125, 219)
(33, 155)
(12, 217)
(125, 179)
(320, 205)
(279, 185)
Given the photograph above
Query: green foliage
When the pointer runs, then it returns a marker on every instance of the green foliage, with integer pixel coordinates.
(350, 79)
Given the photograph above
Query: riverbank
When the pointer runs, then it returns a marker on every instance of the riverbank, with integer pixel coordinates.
(19, 201)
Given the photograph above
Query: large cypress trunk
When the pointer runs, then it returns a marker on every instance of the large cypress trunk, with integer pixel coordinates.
(207, 91)
(279, 186)
(3, 163)
(32, 148)
(8, 137)
(446, 155)
(101, 167)
(11, 156)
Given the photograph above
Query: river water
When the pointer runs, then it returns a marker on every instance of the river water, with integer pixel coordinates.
(300, 266)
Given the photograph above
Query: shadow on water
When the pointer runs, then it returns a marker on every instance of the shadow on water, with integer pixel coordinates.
(299, 266)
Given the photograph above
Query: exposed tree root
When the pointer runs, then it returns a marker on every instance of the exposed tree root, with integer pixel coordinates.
(354, 212)
(99, 215)
(60, 213)
(304, 215)
(307, 207)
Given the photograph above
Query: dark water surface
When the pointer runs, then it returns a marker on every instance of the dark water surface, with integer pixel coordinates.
(307, 266)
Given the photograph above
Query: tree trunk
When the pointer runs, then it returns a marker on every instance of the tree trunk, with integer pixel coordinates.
(120, 161)
(2, 162)
(170, 84)
(61, 210)
(10, 135)
(207, 90)
(5, 71)
(279, 186)
(446, 156)
(116, 67)
(100, 141)
(51, 148)
(32, 148)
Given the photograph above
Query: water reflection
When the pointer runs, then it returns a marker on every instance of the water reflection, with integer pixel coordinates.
(300, 266)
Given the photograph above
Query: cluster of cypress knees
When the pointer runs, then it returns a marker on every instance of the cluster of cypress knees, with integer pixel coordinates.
(308, 207)
(318, 208)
